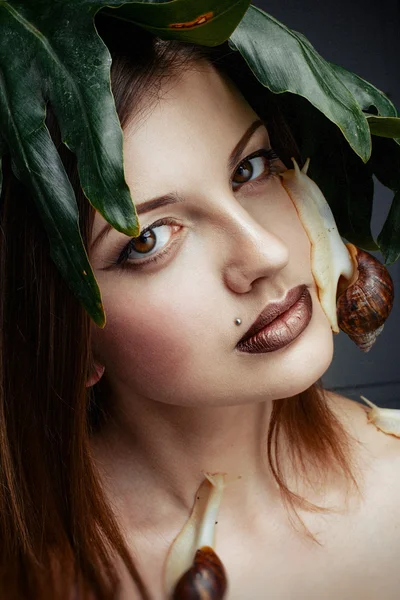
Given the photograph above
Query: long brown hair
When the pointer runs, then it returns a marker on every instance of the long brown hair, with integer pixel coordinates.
(58, 535)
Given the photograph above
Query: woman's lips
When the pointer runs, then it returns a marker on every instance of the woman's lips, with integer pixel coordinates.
(282, 330)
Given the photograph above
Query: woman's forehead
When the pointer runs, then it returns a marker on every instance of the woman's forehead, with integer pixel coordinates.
(198, 118)
(201, 114)
(198, 100)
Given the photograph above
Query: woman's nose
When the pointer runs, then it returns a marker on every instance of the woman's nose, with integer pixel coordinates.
(253, 253)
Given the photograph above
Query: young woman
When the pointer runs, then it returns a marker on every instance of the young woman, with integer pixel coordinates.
(106, 433)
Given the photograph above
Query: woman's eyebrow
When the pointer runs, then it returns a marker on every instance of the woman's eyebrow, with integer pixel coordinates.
(173, 198)
(141, 208)
(238, 149)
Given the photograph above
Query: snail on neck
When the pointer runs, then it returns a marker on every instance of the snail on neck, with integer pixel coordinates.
(193, 570)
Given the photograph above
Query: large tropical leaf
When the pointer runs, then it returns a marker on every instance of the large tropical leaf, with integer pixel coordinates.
(50, 52)
(366, 94)
(384, 126)
(205, 22)
(389, 238)
(284, 61)
(384, 121)
(385, 162)
(3, 149)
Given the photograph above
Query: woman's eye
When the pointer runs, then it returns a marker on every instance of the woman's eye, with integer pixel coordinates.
(152, 241)
(254, 167)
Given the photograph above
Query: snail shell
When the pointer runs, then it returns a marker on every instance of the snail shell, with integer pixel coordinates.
(205, 580)
(365, 305)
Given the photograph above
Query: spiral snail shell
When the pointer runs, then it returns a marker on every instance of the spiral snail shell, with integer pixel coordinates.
(365, 305)
(205, 580)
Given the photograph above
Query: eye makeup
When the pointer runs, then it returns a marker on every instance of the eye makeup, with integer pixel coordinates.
(244, 170)
(124, 255)
(268, 155)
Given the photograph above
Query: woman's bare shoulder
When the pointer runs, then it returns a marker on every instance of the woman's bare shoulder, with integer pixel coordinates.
(377, 518)
(379, 452)
(354, 415)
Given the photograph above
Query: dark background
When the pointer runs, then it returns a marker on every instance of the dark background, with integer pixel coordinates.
(363, 37)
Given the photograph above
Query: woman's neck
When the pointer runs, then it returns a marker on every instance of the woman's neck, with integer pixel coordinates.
(154, 451)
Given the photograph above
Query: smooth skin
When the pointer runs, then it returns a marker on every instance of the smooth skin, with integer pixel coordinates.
(184, 399)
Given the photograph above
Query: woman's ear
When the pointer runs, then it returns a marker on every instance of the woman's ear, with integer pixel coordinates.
(96, 374)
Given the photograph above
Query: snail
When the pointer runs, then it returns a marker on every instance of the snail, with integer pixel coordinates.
(193, 570)
(355, 290)
(386, 420)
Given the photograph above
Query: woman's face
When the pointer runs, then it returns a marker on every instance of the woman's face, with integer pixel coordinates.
(224, 241)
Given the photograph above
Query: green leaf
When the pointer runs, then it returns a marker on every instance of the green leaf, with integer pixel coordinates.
(71, 69)
(384, 126)
(385, 161)
(56, 55)
(3, 148)
(365, 93)
(284, 61)
(389, 237)
(204, 22)
(56, 202)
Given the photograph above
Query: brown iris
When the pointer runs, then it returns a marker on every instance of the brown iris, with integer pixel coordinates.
(243, 172)
(144, 242)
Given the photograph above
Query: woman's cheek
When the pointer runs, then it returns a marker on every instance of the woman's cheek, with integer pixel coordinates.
(151, 343)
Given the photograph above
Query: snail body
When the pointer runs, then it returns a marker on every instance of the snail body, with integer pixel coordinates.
(192, 570)
(205, 580)
(386, 420)
(364, 306)
(330, 259)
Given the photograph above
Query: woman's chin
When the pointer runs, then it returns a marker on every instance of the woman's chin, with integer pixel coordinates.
(294, 368)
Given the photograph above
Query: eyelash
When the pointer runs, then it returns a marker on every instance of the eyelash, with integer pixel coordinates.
(123, 259)
(271, 157)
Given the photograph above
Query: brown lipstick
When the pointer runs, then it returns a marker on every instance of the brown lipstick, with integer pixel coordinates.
(279, 323)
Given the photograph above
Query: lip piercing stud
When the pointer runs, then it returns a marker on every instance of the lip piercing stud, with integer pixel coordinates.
(238, 321)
